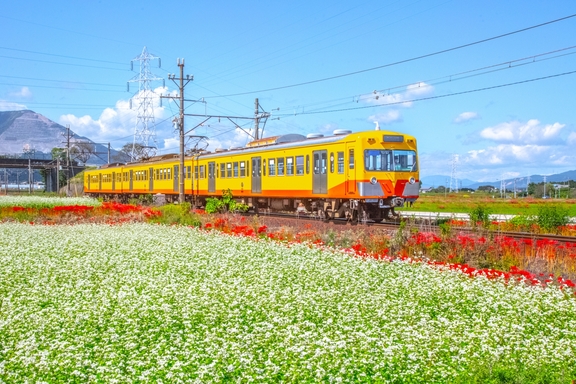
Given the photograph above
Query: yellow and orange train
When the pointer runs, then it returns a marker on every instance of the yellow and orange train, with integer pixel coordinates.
(363, 175)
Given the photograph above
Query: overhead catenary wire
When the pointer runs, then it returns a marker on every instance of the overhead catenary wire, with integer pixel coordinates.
(502, 66)
(431, 97)
(400, 61)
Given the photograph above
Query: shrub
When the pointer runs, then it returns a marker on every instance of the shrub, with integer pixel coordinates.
(523, 222)
(226, 204)
(480, 214)
(177, 214)
(551, 217)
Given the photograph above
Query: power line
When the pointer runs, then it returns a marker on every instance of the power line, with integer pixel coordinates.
(448, 78)
(402, 61)
(64, 56)
(56, 62)
(432, 97)
(61, 81)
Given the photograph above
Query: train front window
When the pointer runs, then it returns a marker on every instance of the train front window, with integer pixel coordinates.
(389, 160)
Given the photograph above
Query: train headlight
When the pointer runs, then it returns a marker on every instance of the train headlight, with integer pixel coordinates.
(412, 180)
(373, 180)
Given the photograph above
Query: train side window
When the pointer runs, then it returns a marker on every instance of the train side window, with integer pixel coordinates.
(235, 168)
(263, 167)
(299, 165)
(331, 162)
(202, 172)
(222, 170)
(351, 159)
(229, 170)
(196, 172)
(169, 173)
(340, 162)
(280, 166)
(242, 169)
(289, 166)
(272, 165)
(188, 172)
(307, 164)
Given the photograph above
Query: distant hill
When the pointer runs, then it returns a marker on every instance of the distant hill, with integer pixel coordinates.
(521, 182)
(20, 129)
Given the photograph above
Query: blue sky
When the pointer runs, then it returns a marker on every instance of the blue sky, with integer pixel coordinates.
(495, 103)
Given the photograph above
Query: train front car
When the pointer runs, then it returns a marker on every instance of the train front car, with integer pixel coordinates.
(389, 176)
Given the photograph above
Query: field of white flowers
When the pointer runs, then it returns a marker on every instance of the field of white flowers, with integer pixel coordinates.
(140, 302)
(45, 202)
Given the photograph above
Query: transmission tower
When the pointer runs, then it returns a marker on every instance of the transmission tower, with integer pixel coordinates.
(453, 178)
(144, 144)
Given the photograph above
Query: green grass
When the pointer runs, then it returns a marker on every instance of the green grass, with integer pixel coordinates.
(466, 202)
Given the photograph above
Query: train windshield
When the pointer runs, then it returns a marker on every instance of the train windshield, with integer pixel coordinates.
(389, 160)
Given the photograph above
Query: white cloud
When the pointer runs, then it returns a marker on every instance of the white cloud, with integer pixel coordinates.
(23, 93)
(466, 116)
(413, 91)
(11, 106)
(531, 132)
(388, 117)
(571, 138)
(117, 123)
(509, 154)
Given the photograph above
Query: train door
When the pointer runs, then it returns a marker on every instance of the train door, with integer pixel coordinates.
(350, 165)
(151, 180)
(211, 177)
(176, 178)
(131, 185)
(320, 175)
(256, 175)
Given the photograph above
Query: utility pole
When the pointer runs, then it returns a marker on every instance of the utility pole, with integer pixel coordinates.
(180, 121)
(256, 119)
(58, 176)
(259, 115)
(68, 137)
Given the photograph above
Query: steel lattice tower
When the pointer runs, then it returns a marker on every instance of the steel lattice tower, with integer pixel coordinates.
(144, 144)
(453, 178)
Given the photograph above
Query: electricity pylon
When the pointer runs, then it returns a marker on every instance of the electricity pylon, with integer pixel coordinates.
(144, 144)
(453, 175)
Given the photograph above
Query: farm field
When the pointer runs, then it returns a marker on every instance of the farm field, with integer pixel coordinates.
(464, 202)
(146, 302)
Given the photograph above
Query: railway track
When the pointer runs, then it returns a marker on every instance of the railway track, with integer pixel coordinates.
(291, 219)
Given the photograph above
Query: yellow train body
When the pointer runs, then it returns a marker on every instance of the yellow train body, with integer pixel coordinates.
(361, 174)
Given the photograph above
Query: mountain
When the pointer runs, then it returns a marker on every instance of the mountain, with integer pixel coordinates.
(20, 130)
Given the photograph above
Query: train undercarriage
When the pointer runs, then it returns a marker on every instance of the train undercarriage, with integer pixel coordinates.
(354, 210)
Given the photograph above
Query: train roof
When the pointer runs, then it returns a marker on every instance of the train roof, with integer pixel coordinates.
(277, 142)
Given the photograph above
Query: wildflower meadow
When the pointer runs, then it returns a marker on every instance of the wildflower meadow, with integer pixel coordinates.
(137, 302)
